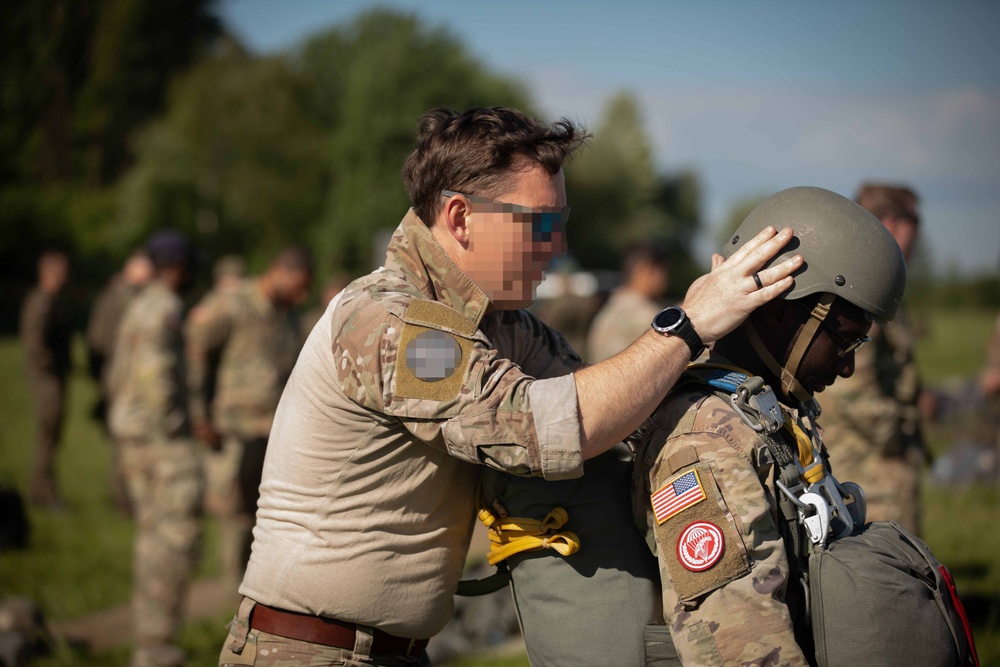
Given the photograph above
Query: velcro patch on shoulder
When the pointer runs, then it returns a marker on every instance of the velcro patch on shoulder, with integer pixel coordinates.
(698, 543)
(434, 352)
(435, 315)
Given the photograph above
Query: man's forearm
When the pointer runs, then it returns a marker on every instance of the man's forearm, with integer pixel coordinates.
(615, 396)
(618, 394)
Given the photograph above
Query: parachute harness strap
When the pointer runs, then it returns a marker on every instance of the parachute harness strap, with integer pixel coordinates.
(749, 394)
(812, 470)
(513, 535)
(818, 315)
(789, 384)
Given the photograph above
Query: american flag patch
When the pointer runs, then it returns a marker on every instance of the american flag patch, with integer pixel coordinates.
(677, 494)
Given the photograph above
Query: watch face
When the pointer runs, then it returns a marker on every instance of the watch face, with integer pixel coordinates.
(668, 318)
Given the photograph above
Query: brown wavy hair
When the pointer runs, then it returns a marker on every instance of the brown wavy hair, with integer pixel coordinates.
(476, 152)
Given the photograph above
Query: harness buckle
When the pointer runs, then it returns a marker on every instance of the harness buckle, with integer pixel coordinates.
(757, 405)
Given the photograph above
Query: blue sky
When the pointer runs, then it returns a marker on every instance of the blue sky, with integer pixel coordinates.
(755, 96)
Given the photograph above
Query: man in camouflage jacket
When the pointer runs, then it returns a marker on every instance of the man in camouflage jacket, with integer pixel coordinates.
(46, 333)
(241, 346)
(426, 370)
(706, 488)
(872, 419)
(161, 462)
(102, 333)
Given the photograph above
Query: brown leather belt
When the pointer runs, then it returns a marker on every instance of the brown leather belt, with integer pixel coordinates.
(328, 631)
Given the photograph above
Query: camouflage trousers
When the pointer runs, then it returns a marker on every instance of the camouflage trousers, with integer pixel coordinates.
(49, 391)
(245, 646)
(232, 478)
(165, 482)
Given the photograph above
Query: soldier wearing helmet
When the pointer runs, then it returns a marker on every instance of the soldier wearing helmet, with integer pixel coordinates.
(712, 491)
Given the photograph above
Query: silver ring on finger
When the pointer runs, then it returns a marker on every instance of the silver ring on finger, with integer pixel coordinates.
(756, 279)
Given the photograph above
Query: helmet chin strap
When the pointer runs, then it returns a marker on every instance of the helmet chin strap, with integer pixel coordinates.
(789, 384)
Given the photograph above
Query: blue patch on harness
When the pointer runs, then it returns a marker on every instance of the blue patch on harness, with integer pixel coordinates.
(719, 378)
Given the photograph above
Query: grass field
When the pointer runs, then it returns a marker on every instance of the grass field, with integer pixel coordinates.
(79, 560)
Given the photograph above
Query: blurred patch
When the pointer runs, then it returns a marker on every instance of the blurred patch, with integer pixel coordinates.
(433, 355)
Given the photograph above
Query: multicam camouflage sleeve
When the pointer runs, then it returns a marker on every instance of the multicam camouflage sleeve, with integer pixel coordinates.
(419, 362)
(206, 330)
(722, 561)
(147, 377)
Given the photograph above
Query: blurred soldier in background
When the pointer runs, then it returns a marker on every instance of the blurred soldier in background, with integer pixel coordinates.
(567, 305)
(46, 331)
(228, 272)
(989, 384)
(631, 308)
(161, 461)
(332, 288)
(102, 330)
(872, 419)
(243, 339)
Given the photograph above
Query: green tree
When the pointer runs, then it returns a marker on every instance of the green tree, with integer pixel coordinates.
(619, 197)
(77, 78)
(236, 161)
(371, 81)
(76, 81)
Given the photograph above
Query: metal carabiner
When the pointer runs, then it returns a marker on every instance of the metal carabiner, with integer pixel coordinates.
(813, 513)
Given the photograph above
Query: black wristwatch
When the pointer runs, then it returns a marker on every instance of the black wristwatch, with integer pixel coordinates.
(673, 321)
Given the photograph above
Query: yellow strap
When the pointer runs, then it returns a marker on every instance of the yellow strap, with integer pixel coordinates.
(813, 469)
(513, 535)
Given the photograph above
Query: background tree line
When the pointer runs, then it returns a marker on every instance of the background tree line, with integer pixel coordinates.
(122, 116)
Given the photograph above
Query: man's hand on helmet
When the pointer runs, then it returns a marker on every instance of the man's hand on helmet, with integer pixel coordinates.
(719, 301)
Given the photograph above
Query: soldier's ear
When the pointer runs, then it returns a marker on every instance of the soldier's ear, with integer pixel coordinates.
(455, 216)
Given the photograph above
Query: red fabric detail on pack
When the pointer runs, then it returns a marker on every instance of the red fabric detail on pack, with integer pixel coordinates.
(700, 546)
(960, 608)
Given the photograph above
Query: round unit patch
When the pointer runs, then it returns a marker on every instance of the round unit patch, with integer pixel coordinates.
(700, 546)
(433, 355)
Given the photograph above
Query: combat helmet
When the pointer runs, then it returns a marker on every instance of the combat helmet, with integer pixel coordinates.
(848, 253)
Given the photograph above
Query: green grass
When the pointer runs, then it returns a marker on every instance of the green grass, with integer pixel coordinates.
(953, 344)
(961, 524)
(79, 561)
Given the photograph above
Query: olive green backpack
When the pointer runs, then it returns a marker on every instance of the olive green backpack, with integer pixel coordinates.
(880, 597)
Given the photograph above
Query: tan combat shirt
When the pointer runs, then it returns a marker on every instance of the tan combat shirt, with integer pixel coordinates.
(626, 316)
(240, 351)
(724, 588)
(368, 494)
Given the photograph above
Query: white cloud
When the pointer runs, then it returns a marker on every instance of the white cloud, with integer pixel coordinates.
(743, 141)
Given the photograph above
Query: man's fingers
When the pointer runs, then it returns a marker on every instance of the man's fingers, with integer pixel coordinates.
(762, 296)
(763, 252)
(766, 234)
(717, 261)
(779, 271)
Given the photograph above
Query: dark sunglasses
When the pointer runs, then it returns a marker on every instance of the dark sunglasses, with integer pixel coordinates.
(545, 221)
(844, 345)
